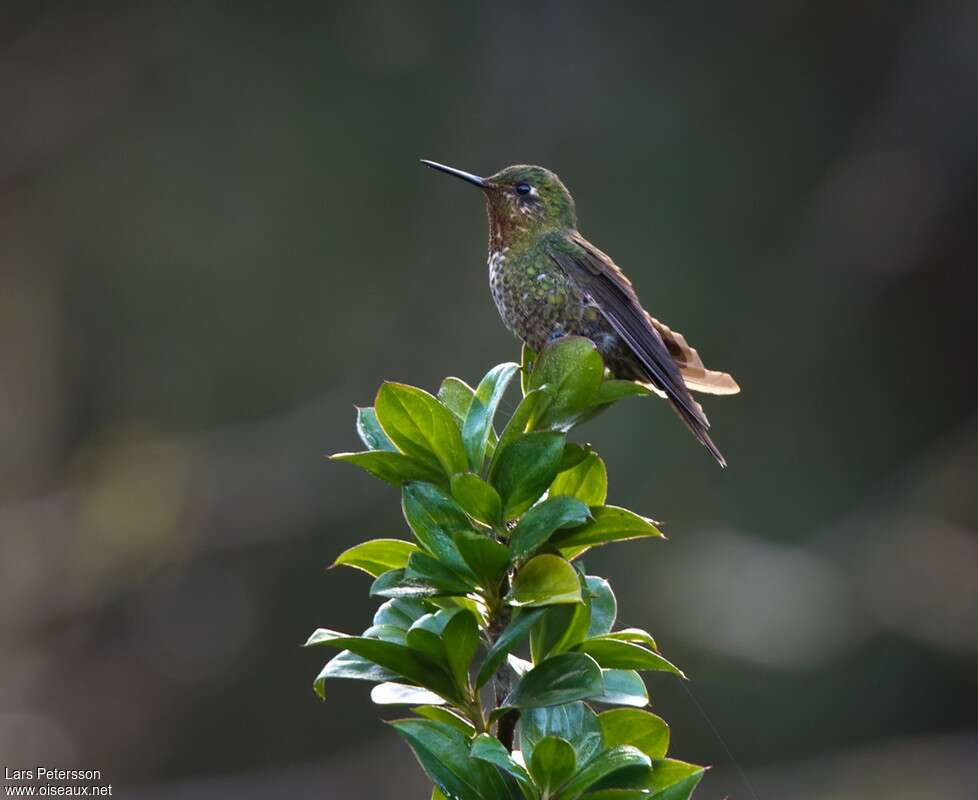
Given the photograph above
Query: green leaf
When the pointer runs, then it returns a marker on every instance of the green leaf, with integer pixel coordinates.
(377, 556)
(387, 633)
(400, 613)
(574, 369)
(636, 635)
(370, 432)
(435, 621)
(674, 780)
(528, 357)
(448, 716)
(559, 679)
(434, 516)
(574, 722)
(394, 583)
(479, 500)
(613, 654)
(603, 765)
(545, 580)
(516, 426)
(429, 645)
(487, 558)
(429, 571)
(394, 657)
(478, 419)
(614, 390)
(623, 687)
(560, 628)
(351, 667)
(641, 729)
(608, 524)
(456, 395)
(511, 636)
(553, 762)
(461, 640)
(394, 468)
(587, 481)
(400, 694)
(525, 469)
(573, 455)
(443, 753)
(421, 427)
(604, 606)
(536, 525)
(488, 748)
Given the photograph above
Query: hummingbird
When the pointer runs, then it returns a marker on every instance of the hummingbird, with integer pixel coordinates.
(548, 281)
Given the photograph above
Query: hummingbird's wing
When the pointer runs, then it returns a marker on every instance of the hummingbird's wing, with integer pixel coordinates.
(595, 273)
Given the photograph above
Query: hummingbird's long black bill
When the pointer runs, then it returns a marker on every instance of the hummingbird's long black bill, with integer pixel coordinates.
(465, 176)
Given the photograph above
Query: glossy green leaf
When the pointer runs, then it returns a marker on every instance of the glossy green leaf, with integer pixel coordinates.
(434, 517)
(443, 753)
(456, 395)
(395, 584)
(488, 748)
(435, 621)
(603, 765)
(394, 468)
(394, 657)
(400, 613)
(525, 469)
(511, 637)
(387, 633)
(446, 715)
(553, 762)
(560, 628)
(478, 419)
(623, 687)
(604, 606)
(400, 694)
(614, 390)
(539, 523)
(528, 357)
(487, 558)
(574, 722)
(545, 580)
(587, 481)
(429, 571)
(516, 426)
(574, 369)
(641, 729)
(674, 780)
(559, 679)
(477, 498)
(573, 455)
(636, 635)
(613, 654)
(428, 644)
(350, 666)
(377, 556)
(370, 432)
(608, 524)
(421, 427)
(461, 640)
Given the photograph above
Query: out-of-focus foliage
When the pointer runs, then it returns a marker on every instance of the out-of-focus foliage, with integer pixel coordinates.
(494, 567)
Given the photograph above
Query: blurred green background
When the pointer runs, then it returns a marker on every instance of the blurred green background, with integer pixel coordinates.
(215, 239)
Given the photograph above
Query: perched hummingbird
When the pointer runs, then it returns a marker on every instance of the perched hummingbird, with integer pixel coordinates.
(549, 281)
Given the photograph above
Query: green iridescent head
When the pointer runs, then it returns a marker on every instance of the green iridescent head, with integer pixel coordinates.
(521, 200)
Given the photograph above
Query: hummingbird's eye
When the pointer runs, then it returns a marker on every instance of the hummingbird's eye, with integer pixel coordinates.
(522, 188)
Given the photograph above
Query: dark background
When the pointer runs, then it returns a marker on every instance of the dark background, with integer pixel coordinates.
(215, 239)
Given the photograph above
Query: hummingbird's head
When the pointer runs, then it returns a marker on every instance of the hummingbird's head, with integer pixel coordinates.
(521, 200)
